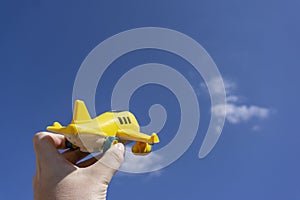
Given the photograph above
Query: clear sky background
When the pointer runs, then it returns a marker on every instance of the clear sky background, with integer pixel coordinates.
(255, 45)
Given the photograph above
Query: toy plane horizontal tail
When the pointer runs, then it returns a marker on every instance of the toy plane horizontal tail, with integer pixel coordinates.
(58, 128)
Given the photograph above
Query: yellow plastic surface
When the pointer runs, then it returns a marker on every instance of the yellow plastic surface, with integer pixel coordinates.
(114, 124)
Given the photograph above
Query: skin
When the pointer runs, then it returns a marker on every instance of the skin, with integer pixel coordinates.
(59, 176)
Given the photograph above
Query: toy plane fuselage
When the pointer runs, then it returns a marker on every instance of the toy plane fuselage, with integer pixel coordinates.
(92, 135)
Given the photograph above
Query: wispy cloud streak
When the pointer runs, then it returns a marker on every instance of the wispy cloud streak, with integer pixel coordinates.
(236, 112)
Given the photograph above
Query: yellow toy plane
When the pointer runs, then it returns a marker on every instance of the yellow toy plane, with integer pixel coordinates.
(92, 135)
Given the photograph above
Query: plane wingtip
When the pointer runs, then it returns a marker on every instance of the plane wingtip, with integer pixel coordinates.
(154, 138)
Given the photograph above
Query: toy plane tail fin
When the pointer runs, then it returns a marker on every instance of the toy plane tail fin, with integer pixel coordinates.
(80, 112)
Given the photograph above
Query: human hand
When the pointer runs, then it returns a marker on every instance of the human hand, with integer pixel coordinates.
(59, 176)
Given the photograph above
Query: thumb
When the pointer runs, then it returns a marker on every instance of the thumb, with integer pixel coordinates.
(109, 163)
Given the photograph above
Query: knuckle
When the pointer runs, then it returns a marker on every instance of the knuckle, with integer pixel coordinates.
(38, 138)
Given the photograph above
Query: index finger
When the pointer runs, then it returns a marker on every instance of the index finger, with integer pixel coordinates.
(46, 145)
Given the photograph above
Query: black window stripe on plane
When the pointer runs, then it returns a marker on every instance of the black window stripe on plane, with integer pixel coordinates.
(120, 120)
(129, 120)
(124, 118)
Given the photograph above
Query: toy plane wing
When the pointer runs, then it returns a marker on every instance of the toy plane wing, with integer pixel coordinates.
(127, 134)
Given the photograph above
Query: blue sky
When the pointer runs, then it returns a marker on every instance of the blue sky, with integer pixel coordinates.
(255, 45)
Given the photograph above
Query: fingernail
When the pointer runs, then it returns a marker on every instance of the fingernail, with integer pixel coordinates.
(120, 146)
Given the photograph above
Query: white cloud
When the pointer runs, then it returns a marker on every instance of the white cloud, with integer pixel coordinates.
(217, 85)
(137, 164)
(236, 112)
(232, 98)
